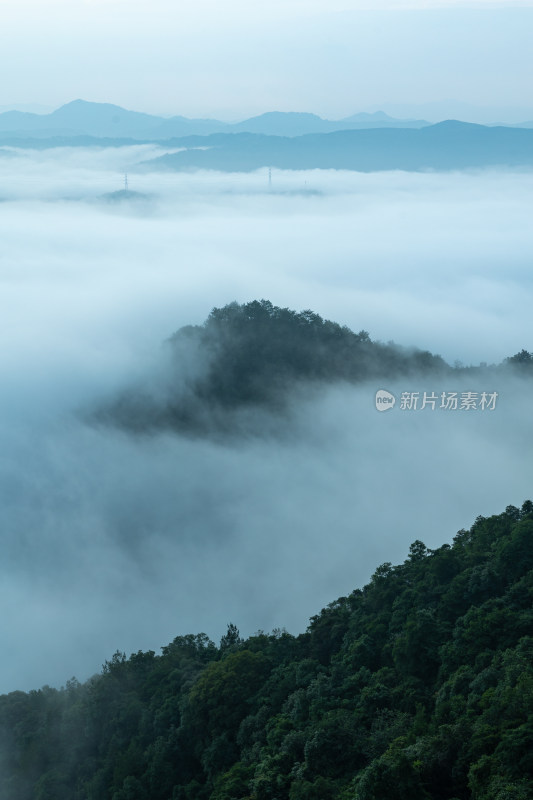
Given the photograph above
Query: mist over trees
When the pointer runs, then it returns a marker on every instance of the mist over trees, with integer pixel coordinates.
(418, 685)
(182, 500)
(113, 540)
(259, 356)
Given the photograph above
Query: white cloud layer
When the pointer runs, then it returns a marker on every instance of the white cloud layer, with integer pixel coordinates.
(114, 542)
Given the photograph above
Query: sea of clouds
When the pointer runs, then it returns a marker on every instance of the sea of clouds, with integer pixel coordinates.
(114, 541)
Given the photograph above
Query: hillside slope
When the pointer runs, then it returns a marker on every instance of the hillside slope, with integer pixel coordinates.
(417, 686)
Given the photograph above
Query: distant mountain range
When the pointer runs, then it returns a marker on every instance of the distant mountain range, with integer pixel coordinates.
(104, 120)
(283, 140)
(81, 118)
(444, 146)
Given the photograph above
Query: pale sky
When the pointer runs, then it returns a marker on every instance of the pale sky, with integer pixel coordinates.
(235, 59)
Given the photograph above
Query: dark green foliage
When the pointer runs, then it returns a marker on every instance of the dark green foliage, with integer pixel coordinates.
(257, 357)
(523, 360)
(417, 687)
(257, 351)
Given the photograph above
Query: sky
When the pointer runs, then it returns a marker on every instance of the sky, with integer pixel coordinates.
(232, 60)
(112, 541)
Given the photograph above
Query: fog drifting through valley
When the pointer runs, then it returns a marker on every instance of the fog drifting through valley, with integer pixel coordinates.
(114, 541)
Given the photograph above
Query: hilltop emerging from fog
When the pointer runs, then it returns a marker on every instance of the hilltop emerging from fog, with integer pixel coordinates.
(256, 356)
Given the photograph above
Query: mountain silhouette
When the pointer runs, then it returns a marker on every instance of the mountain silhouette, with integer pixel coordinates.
(445, 146)
(80, 117)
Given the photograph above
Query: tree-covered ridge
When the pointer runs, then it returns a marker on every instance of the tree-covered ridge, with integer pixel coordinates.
(419, 686)
(257, 351)
(255, 356)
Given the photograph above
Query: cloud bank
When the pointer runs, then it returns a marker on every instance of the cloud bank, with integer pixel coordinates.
(112, 541)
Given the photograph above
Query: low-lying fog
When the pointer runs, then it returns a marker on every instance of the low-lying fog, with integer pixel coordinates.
(115, 542)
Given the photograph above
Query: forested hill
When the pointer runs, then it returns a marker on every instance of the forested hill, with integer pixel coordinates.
(449, 145)
(255, 356)
(419, 686)
(257, 351)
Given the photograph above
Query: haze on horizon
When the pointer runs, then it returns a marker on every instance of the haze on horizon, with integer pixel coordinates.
(234, 60)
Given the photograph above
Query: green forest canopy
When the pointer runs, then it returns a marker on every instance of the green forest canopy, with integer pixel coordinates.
(256, 355)
(418, 686)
